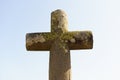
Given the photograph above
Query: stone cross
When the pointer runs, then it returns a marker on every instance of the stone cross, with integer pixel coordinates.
(59, 42)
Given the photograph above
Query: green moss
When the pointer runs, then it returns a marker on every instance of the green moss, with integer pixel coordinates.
(68, 35)
(65, 36)
(49, 36)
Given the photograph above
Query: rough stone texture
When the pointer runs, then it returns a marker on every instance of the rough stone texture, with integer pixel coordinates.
(59, 42)
(59, 23)
(75, 40)
(60, 65)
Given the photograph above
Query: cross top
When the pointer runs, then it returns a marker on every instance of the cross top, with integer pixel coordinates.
(59, 23)
(59, 42)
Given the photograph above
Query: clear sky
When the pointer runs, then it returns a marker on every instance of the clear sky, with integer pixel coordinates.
(18, 17)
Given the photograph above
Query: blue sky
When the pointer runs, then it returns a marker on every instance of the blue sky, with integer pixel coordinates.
(18, 17)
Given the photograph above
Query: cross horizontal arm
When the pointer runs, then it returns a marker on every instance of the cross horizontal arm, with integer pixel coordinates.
(79, 39)
(39, 41)
(75, 40)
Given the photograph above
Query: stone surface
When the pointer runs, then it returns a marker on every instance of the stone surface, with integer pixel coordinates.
(59, 42)
(59, 23)
(75, 40)
(60, 64)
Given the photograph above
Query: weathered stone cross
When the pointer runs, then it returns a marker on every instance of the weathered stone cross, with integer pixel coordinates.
(59, 42)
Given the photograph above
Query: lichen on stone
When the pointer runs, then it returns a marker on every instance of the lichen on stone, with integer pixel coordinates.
(59, 21)
(49, 36)
(72, 40)
(29, 41)
(66, 36)
(66, 51)
(39, 38)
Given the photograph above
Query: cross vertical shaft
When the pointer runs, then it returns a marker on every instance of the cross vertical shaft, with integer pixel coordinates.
(60, 65)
